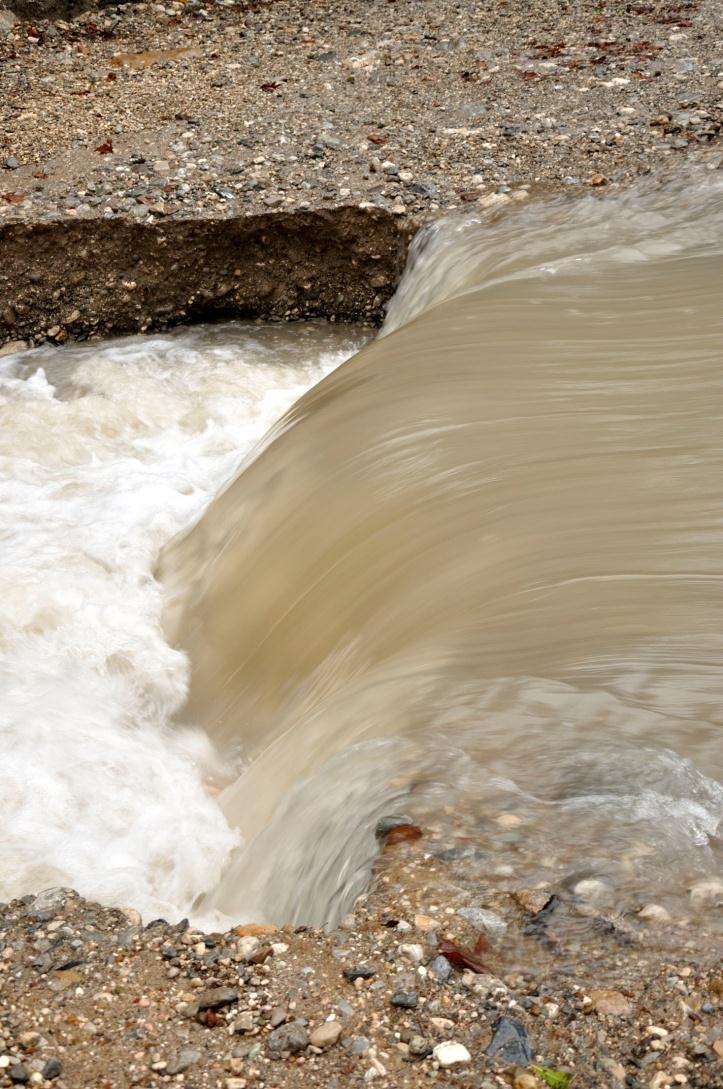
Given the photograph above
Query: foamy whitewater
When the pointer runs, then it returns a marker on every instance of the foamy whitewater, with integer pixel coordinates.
(107, 451)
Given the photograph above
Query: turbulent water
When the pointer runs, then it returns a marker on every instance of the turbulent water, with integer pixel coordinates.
(479, 567)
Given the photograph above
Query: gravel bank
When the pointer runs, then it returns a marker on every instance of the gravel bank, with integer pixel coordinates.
(155, 115)
(437, 979)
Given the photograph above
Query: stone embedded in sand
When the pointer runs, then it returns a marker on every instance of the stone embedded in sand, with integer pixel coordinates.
(532, 900)
(289, 1039)
(451, 1053)
(612, 1003)
(216, 998)
(655, 915)
(325, 1035)
(360, 971)
(179, 1064)
(509, 1043)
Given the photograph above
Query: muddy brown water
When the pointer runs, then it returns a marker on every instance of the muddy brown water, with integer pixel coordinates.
(479, 568)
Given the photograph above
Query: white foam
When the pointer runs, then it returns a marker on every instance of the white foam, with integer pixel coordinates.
(105, 454)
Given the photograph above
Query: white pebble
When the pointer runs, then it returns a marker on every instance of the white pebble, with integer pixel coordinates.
(414, 953)
(451, 1053)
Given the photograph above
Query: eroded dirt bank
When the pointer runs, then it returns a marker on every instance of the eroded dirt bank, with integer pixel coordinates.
(77, 278)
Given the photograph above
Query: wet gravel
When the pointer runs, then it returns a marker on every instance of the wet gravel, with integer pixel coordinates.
(149, 111)
(416, 987)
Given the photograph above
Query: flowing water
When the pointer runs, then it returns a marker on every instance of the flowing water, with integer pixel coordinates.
(477, 568)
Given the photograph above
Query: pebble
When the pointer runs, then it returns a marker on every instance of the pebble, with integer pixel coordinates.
(532, 900)
(489, 921)
(451, 1053)
(612, 1067)
(412, 952)
(611, 1003)
(326, 1035)
(510, 1043)
(360, 971)
(419, 1047)
(706, 893)
(655, 914)
(290, 1039)
(356, 1045)
(440, 969)
(216, 998)
(406, 1000)
(181, 1062)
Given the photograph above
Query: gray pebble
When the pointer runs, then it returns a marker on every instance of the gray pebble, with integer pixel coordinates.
(289, 1039)
(440, 969)
(510, 1043)
(356, 1045)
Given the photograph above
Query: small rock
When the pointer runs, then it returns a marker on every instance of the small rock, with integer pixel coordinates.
(451, 1053)
(326, 1035)
(11, 163)
(413, 953)
(406, 1000)
(532, 900)
(244, 1022)
(50, 901)
(216, 998)
(655, 914)
(489, 921)
(425, 923)
(278, 1015)
(615, 1069)
(612, 1003)
(360, 971)
(440, 969)
(510, 1043)
(523, 1079)
(593, 891)
(18, 1074)
(706, 893)
(12, 346)
(419, 1047)
(356, 1045)
(289, 1039)
(182, 1061)
(248, 946)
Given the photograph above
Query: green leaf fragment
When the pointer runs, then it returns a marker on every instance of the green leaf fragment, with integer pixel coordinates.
(556, 1079)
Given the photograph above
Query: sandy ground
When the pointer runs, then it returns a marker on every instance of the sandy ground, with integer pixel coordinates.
(436, 964)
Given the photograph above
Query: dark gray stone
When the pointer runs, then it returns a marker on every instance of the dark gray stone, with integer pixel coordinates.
(406, 1000)
(360, 971)
(289, 1039)
(510, 1043)
(52, 1069)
